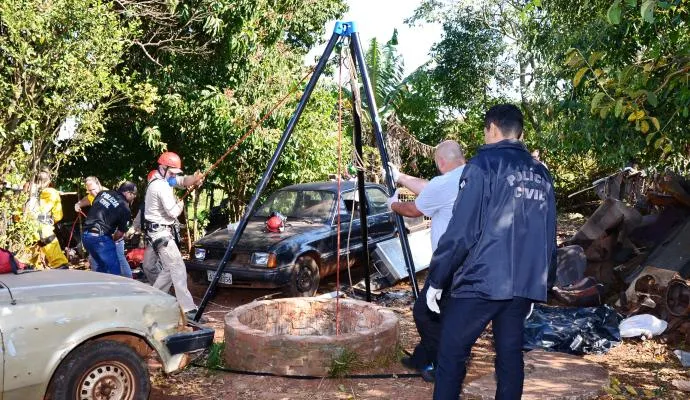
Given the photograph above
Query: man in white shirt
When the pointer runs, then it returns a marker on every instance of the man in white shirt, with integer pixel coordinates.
(161, 209)
(435, 199)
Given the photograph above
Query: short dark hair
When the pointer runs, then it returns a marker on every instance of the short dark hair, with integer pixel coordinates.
(507, 118)
(127, 186)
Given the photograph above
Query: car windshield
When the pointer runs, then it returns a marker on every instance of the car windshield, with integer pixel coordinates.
(313, 205)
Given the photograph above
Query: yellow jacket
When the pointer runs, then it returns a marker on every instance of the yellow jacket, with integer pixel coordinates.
(49, 204)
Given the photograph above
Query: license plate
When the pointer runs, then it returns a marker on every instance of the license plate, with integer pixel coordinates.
(225, 277)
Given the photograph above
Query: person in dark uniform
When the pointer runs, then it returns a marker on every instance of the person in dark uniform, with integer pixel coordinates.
(106, 223)
(494, 256)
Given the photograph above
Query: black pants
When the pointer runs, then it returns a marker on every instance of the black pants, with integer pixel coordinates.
(428, 325)
(464, 319)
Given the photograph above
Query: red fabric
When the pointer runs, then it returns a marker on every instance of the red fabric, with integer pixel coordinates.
(6, 262)
(135, 257)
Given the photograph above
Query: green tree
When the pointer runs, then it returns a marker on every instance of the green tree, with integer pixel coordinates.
(58, 64)
(600, 82)
(634, 70)
(214, 86)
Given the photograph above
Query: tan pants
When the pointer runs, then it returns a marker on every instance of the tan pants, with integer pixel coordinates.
(172, 273)
(150, 265)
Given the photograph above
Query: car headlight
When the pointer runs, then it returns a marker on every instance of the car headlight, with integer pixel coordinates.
(266, 259)
(199, 254)
(260, 258)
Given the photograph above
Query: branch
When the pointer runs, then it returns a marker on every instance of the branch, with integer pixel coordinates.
(143, 48)
(671, 75)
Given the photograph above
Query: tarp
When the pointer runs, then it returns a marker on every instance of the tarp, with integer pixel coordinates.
(572, 330)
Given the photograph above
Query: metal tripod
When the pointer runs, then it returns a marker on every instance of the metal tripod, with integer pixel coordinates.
(341, 30)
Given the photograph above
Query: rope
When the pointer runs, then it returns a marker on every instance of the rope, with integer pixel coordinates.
(310, 377)
(250, 131)
(339, 178)
(71, 233)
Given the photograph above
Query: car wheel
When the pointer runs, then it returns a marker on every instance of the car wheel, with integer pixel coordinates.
(101, 370)
(305, 278)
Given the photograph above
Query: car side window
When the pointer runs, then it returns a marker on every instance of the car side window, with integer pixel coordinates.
(349, 204)
(377, 200)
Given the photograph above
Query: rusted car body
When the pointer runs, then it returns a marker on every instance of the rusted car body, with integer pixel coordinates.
(68, 332)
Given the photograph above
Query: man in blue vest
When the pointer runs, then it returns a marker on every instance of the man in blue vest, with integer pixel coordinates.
(494, 256)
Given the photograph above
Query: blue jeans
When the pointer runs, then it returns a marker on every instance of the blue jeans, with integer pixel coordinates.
(102, 249)
(125, 270)
(463, 320)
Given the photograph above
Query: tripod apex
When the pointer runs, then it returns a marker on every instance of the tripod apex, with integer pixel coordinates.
(343, 28)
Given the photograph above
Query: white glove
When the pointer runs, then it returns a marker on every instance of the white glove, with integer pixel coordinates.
(392, 199)
(77, 207)
(395, 172)
(433, 295)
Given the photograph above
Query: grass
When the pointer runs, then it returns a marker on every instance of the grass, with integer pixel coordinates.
(349, 362)
(344, 364)
(214, 359)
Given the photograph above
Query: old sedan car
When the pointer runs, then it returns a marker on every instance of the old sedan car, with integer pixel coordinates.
(85, 335)
(297, 258)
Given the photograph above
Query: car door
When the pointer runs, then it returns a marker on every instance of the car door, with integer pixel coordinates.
(380, 219)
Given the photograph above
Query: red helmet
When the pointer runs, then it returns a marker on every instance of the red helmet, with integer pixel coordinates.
(150, 176)
(275, 223)
(171, 160)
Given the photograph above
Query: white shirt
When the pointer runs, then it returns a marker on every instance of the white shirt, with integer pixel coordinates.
(160, 203)
(436, 201)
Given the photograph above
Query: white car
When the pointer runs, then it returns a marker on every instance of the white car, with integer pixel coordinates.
(85, 335)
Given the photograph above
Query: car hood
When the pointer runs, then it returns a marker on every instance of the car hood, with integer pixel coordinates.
(57, 284)
(255, 237)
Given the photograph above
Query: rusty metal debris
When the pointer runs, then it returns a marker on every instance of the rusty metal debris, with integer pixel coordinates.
(636, 249)
(678, 298)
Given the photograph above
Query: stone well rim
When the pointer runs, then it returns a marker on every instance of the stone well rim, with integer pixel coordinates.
(388, 320)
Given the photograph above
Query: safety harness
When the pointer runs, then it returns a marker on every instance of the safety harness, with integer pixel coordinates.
(151, 227)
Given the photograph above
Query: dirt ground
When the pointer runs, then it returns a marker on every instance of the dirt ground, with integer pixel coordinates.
(638, 369)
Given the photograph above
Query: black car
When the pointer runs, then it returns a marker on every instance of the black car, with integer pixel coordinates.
(297, 258)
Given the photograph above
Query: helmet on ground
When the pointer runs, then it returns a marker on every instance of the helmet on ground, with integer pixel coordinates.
(171, 160)
(276, 222)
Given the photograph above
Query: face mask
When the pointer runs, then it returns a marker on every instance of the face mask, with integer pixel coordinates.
(172, 181)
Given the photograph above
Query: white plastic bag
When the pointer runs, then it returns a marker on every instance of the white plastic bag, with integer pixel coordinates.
(642, 325)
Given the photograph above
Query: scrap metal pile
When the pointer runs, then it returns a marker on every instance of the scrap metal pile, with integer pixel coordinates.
(633, 252)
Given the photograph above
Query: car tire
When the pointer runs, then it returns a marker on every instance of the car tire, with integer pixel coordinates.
(101, 369)
(305, 278)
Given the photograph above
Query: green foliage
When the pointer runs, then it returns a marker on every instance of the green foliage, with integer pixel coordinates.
(465, 58)
(214, 87)
(342, 365)
(645, 86)
(16, 228)
(214, 357)
(386, 72)
(600, 82)
(57, 64)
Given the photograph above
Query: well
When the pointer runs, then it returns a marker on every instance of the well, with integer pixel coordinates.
(296, 336)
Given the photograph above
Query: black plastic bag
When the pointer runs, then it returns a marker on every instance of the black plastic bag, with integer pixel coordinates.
(583, 330)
